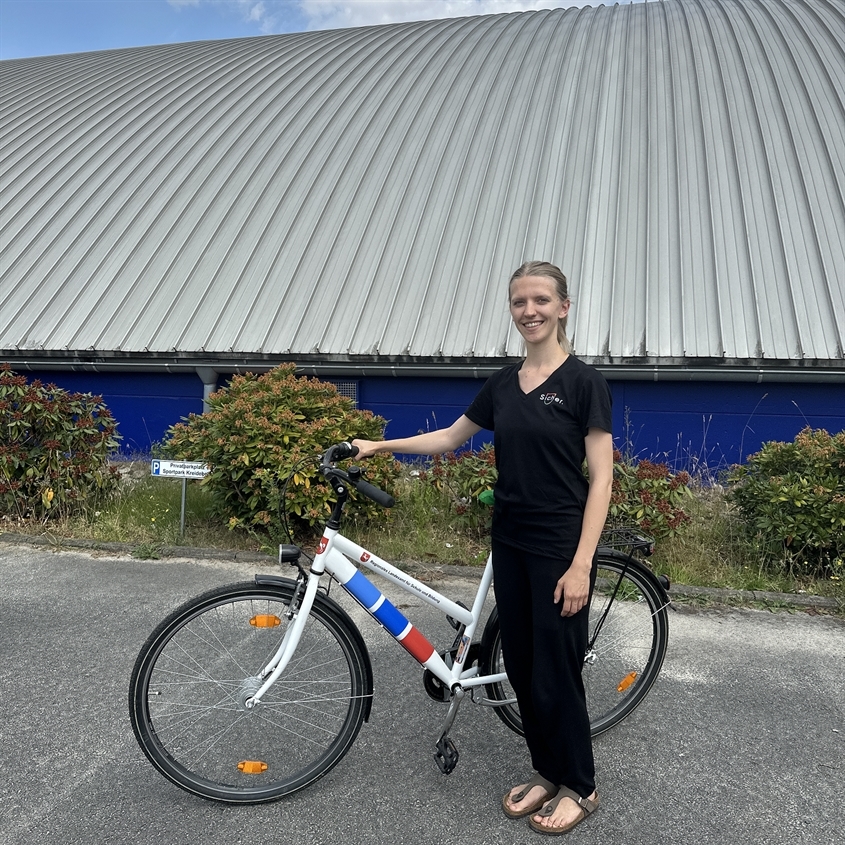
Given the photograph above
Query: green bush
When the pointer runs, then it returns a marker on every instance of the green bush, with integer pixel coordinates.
(791, 497)
(260, 429)
(648, 495)
(464, 476)
(54, 448)
(644, 493)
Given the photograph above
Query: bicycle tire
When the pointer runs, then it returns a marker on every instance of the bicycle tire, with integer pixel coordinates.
(627, 644)
(200, 664)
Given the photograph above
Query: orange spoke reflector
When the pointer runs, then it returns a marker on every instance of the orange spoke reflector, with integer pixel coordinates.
(265, 620)
(252, 767)
(626, 681)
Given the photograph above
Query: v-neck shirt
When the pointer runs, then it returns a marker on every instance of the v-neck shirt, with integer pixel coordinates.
(538, 437)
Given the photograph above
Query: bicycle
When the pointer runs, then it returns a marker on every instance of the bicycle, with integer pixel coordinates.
(252, 691)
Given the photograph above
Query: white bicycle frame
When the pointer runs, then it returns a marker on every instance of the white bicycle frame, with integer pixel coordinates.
(334, 557)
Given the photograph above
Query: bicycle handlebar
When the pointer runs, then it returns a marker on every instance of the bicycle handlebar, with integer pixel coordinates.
(379, 496)
(341, 451)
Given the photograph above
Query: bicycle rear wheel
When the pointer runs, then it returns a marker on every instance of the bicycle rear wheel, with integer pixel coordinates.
(200, 665)
(628, 635)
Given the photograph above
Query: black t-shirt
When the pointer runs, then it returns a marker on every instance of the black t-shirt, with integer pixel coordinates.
(540, 451)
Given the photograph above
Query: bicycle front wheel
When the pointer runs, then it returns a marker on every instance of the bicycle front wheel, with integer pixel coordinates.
(197, 669)
(628, 635)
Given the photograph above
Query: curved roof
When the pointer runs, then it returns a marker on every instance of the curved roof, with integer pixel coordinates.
(364, 194)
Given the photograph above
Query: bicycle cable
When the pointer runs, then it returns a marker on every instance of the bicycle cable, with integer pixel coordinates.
(282, 506)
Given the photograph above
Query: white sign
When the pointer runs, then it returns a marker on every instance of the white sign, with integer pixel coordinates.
(179, 469)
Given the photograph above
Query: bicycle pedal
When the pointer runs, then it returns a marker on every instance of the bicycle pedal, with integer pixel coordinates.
(446, 755)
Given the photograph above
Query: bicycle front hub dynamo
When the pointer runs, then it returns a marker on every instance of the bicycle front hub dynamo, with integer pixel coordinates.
(248, 688)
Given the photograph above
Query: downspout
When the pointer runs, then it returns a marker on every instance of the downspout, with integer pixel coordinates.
(209, 384)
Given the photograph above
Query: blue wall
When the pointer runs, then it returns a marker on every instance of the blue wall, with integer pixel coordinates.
(684, 423)
(145, 405)
(687, 424)
(719, 423)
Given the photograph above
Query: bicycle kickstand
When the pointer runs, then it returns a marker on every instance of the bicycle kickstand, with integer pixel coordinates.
(446, 755)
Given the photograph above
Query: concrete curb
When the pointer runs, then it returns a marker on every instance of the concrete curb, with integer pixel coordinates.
(710, 595)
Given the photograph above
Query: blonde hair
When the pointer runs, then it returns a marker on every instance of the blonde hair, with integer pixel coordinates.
(554, 274)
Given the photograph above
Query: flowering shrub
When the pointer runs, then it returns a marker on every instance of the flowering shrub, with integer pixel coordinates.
(792, 497)
(648, 495)
(464, 477)
(644, 493)
(54, 448)
(258, 430)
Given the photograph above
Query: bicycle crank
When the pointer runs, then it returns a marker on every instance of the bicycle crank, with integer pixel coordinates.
(435, 688)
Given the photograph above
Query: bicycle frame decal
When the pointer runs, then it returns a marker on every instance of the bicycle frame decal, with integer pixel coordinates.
(393, 620)
(347, 549)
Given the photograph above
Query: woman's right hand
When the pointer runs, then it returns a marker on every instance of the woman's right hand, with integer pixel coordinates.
(367, 448)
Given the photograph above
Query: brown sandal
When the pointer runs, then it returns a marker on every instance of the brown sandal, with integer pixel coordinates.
(588, 807)
(538, 780)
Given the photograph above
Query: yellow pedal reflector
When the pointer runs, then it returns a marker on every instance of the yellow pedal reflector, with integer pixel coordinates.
(265, 620)
(252, 767)
(626, 681)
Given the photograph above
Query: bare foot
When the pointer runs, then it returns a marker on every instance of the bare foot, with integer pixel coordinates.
(566, 814)
(536, 795)
(528, 797)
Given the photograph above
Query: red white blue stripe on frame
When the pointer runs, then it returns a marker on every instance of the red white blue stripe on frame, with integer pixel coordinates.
(362, 589)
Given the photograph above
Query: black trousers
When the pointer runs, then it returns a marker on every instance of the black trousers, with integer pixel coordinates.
(544, 655)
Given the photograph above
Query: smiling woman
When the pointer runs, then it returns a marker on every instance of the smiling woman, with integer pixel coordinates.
(549, 413)
(536, 299)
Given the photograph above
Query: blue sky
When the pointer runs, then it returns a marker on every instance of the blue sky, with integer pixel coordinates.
(48, 27)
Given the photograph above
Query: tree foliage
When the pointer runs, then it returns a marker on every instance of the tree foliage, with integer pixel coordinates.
(54, 448)
(261, 429)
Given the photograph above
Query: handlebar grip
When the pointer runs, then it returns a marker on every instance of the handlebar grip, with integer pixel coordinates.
(341, 451)
(380, 497)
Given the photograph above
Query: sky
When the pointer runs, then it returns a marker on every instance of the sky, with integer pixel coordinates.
(49, 27)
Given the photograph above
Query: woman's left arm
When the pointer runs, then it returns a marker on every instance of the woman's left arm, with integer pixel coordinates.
(574, 585)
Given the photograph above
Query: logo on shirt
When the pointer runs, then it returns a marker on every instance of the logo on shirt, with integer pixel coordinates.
(550, 399)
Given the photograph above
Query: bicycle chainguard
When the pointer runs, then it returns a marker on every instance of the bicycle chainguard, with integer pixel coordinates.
(446, 755)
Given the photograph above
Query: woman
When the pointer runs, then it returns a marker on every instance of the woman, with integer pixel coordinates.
(548, 414)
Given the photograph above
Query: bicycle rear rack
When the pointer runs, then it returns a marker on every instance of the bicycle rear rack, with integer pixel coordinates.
(625, 538)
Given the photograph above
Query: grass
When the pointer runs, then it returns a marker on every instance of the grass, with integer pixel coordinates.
(145, 513)
(423, 527)
(712, 550)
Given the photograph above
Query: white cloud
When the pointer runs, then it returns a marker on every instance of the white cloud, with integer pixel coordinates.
(272, 16)
(336, 14)
(268, 14)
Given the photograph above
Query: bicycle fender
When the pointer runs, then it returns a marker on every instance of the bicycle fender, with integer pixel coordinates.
(490, 629)
(330, 605)
(642, 568)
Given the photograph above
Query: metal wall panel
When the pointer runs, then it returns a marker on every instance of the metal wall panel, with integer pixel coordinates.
(364, 194)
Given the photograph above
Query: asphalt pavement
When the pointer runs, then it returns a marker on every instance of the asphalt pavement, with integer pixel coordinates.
(742, 739)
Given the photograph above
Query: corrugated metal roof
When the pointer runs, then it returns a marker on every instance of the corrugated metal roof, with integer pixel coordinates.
(365, 194)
